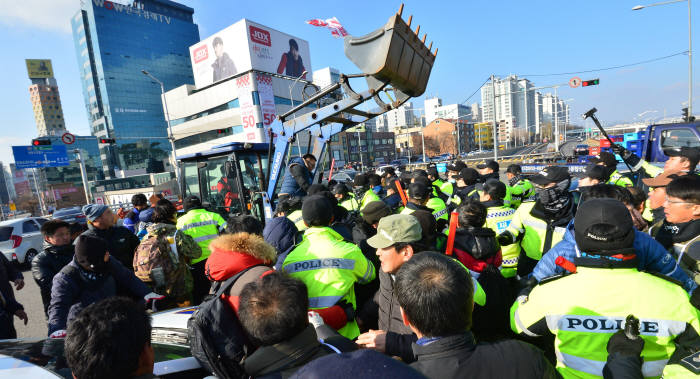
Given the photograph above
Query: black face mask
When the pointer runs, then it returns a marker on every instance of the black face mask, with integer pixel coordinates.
(556, 198)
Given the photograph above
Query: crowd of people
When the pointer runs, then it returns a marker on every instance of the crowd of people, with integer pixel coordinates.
(450, 274)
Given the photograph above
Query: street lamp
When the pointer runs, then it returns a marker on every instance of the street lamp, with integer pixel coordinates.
(690, 48)
(171, 137)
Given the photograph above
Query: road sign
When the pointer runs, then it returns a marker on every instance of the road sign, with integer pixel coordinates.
(68, 138)
(575, 82)
(38, 157)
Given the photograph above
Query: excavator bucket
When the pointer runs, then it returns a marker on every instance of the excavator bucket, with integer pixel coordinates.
(393, 55)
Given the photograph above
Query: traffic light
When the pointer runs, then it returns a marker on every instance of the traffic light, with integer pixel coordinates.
(592, 82)
(685, 114)
(108, 141)
(41, 142)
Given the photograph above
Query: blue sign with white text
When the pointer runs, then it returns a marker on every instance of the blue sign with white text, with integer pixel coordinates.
(40, 156)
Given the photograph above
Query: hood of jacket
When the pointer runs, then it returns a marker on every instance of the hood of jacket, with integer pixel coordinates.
(285, 355)
(281, 233)
(232, 253)
(480, 243)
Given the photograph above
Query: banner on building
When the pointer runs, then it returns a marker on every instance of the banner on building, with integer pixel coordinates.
(267, 98)
(247, 45)
(39, 68)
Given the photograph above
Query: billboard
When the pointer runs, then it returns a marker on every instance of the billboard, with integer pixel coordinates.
(40, 156)
(247, 45)
(39, 68)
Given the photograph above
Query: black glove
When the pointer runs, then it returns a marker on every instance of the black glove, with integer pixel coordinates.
(619, 343)
(347, 307)
(629, 157)
(505, 238)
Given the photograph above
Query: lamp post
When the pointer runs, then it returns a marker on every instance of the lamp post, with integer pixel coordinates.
(171, 137)
(690, 48)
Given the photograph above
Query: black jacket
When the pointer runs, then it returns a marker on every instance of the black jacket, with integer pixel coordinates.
(283, 359)
(458, 355)
(46, 265)
(8, 273)
(121, 243)
(399, 336)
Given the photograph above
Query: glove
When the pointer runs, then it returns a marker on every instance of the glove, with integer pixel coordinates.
(629, 157)
(348, 308)
(315, 319)
(505, 239)
(619, 343)
(58, 334)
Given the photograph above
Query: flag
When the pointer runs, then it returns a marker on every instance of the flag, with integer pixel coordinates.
(333, 24)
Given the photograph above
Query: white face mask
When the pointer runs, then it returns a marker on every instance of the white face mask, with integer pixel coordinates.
(452, 180)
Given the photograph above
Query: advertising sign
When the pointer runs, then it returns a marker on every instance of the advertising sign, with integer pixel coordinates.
(39, 68)
(40, 156)
(246, 45)
(267, 98)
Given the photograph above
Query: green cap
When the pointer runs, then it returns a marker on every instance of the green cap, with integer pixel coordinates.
(394, 229)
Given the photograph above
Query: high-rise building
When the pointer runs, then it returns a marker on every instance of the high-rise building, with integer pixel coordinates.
(114, 42)
(46, 101)
(431, 106)
(454, 111)
(476, 112)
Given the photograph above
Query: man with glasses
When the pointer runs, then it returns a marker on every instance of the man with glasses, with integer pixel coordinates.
(680, 230)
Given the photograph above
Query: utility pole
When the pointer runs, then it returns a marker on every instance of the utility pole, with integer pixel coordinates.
(83, 175)
(38, 194)
(495, 131)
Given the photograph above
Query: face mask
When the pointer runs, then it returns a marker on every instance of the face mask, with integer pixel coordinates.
(555, 198)
(452, 180)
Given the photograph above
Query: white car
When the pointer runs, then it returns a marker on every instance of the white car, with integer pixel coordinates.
(21, 239)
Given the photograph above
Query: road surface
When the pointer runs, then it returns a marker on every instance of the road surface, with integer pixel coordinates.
(30, 298)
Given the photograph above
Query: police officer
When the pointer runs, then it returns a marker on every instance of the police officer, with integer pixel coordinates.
(434, 177)
(498, 219)
(519, 188)
(363, 192)
(466, 187)
(203, 226)
(541, 224)
(435, 203)
(610, 162)
(346, 199)
(328, 266)
(488, 170)
(583, 310)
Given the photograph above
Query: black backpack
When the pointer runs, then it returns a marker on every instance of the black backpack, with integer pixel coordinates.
(216, 337)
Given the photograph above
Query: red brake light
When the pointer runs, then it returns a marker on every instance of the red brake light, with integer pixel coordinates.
(16, 241)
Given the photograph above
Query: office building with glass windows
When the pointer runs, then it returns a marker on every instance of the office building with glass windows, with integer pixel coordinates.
(114, 42)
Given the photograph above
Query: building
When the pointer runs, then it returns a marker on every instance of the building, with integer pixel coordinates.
(431, 106)
(241, 105)
(46, 100)
(5, 195)
(398, 118)
(114, 42)
(9, 182)
(454, 136)
(483, 135)
(476, 112)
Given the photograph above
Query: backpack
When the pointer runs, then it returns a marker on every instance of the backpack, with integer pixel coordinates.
(216, 337)
(156, 263)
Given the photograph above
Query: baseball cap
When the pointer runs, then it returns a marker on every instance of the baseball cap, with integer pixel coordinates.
(418, 191)
(662, 179)
(456, 166)
(606, 158)
(593, 171)
(317, 210)
(690, 153)
(394, 229)
(468, 174)
(551, 174)
(489, 164)
(375, 211)
(605, 227)
(514, 169)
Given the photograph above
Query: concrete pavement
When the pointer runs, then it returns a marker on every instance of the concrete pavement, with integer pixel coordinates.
(30, 298)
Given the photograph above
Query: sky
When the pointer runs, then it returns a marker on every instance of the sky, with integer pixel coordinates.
(476, 39)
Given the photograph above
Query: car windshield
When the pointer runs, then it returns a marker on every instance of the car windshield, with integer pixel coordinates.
(5, 233)
(48, 353)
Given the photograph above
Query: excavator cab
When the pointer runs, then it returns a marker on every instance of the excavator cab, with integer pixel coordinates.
(229, 179)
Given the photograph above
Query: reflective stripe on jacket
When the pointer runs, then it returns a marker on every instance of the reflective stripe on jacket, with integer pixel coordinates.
(583, 310)
(498, 219)
(329, 267)
(203, 226)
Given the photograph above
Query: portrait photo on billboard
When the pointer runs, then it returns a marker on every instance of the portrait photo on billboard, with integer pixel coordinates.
(278, 53)
(220, 56)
